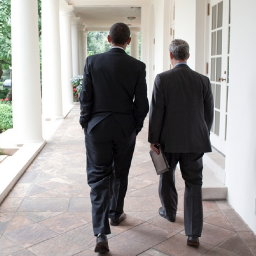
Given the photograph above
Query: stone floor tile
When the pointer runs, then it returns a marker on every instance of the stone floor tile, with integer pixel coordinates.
(209, 213)
(172, 227)
(5, 219)
(136, 171)
(39, 216)
(218, 219)
(8, 247)
(138, 183)
(65, 222)
(219, 252)
(22, 253)
(214, 235)
(151, 175)
(148, 191)
(235, 220)
(18, 221)
(128, 223)
(10, 204)
(121, 246)
(147, 234)
(80, 205)
(223, 205)
(177, 246)
(30, 176)
(146, 203)
(36, 189)
(236, 245)
(58, 246)
(250, 240)
(20, 190)
(144, 216)
(75, 190)
(145, 165)
(152, 252)
(210, 206)
(49, 194)
(56, 182)
(88, 253)
(83, 236)
(30, 235)
(44, 205)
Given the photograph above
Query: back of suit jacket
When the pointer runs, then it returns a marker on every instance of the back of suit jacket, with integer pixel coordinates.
(181, 113)
(114, 83)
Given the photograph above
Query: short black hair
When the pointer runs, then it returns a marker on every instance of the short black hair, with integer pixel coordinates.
(119, 33)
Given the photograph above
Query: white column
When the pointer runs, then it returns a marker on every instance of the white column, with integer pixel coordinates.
(81, 50)
(75, 46)
(51, 60)
(85, 44)
(26, 91)
(66, 60)
(135, 42)
(145, 39)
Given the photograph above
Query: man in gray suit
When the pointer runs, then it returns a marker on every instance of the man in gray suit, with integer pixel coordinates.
(181, 117)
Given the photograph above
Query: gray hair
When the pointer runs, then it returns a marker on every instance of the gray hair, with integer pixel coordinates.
(180, 49)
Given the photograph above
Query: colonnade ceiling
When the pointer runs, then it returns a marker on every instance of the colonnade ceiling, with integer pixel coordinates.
(95, 14)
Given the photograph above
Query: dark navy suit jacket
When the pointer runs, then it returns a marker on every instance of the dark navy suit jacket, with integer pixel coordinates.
(114, 83)
(181, 112)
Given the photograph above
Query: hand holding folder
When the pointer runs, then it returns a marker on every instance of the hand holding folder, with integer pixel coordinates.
(159, 160)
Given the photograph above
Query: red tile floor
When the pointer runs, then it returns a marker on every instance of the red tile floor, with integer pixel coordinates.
(48, 212)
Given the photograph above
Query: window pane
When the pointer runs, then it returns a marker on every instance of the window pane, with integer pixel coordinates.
(220, 15)
(226, 124)
(219, 42)
(174, 11)
(217, 97)
(228, 40)
(229, 11)
(213, 43)
(213, 69)
(218, 69)
(227, 99)
(228, 71)
(214, 16)
(213, 90)
(217, 123)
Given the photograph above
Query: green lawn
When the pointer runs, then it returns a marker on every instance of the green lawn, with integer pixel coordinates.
(1, 87)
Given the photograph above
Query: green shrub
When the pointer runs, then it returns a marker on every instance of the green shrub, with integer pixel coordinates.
(5, 117)
(4, 93)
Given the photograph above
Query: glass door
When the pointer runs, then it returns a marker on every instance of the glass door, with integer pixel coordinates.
(219, 61)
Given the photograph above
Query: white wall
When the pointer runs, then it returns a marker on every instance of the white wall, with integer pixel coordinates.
(190, 25)
(241, 135)
(185, 26)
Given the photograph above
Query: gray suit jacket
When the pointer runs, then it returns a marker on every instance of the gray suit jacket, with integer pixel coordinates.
(181, 112)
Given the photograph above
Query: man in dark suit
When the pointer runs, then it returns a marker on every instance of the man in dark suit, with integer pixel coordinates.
(114, 105)
(181, 117)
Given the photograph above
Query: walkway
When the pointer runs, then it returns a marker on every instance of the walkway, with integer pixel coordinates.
(48, 211)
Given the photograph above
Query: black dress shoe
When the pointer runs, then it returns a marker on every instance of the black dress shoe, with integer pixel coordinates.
(101, 244)
(193, 241)
(117, 221)
(170, 218)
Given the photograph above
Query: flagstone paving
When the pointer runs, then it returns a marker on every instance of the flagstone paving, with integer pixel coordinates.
(48, 212)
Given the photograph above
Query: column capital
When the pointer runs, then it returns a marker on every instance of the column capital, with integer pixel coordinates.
(135, 30)
(64, 8)
(76, 21)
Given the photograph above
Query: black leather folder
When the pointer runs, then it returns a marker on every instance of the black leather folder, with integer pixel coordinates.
(159, 161)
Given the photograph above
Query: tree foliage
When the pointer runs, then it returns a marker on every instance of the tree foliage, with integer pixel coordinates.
(97, 42)
(5, 34)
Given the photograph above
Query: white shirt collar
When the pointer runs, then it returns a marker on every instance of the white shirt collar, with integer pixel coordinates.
(117, 47)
